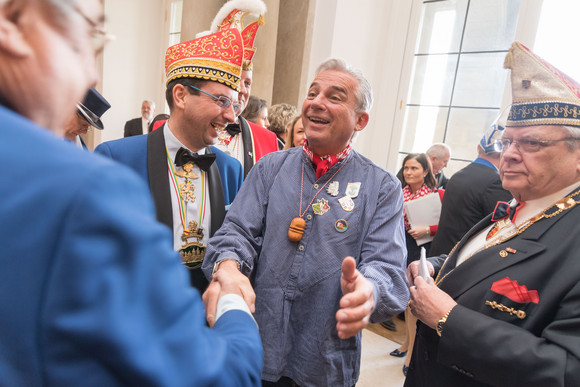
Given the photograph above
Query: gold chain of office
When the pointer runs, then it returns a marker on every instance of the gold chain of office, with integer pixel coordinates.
(561, 205)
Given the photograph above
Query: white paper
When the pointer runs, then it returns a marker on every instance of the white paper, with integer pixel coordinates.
(424, 212)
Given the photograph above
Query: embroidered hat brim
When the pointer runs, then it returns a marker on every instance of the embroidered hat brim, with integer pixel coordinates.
(541, 94)
(216, 57)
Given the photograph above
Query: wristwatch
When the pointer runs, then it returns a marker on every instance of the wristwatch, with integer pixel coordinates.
(441, 322)
(216, 265)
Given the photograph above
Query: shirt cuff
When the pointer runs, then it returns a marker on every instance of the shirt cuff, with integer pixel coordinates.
(232, 302)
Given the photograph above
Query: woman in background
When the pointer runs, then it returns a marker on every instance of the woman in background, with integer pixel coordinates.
(295, 134)
(256, 111)
(417, 180)
(280, 118)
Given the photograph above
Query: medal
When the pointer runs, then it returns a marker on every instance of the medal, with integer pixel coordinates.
(332, 188)
(192, 253)
(321, 207)
(341, 225)
(352, 189)
(346, 203)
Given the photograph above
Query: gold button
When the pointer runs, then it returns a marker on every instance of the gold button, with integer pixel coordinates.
(503, 254)
(315, 186)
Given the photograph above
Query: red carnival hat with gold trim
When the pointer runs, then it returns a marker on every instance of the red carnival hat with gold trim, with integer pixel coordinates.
(217, 57)
(231, 16)
(541, 94)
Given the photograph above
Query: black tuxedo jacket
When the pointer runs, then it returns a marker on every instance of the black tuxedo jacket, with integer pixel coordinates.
(500, 346)
(133, 127)
(470, 195)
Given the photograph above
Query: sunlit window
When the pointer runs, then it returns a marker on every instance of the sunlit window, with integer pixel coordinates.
(175, 22)
(458, 78)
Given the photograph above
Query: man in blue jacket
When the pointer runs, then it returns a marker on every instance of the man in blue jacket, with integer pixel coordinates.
(93, 293)
(190, 191)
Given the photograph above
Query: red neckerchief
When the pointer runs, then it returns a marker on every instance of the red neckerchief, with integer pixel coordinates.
(324, 163)
(408, 196)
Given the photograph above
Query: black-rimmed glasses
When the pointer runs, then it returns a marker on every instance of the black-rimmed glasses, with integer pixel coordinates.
(526, 145)
(221, 101)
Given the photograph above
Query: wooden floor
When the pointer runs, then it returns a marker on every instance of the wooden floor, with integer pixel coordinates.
(397, 337)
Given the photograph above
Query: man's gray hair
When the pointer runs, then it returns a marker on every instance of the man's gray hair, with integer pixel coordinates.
(363, 93)
(438, 150)
(574, 132)
(149, 101)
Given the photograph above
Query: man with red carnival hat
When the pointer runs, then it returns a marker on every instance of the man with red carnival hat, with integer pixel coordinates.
(505, 306)
(244, 140)
(190, 191)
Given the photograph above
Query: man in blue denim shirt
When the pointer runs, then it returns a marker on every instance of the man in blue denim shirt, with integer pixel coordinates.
(311, 301)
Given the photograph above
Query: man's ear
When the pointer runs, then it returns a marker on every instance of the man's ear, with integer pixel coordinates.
(12, 40)
(179, 94)
(361, 122)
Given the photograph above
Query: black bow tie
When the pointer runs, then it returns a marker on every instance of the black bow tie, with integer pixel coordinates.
(184, 156)
(503, 210)
(233, 129)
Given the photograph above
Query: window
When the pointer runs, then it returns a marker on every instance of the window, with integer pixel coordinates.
(458, 79)
(175, 22)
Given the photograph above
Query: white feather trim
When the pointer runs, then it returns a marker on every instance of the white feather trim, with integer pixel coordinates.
(254, 7)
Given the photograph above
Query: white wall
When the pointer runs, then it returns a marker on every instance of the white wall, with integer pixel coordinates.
(371, 35)
(133, 62)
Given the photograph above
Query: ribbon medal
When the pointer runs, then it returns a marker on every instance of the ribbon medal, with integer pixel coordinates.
(346, 203)
(352, 189)
(321, 207)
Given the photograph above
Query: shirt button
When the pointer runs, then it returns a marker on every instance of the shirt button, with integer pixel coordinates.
(301, 247)
(315, 186)
(309, 217)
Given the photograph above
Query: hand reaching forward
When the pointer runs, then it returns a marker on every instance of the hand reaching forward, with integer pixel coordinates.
(357, 302)
(227, 280)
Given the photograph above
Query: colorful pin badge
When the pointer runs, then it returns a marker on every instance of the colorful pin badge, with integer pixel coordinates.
(346, 203)
(321, 207)
(352, 189)
(332, 188)
(341, 225)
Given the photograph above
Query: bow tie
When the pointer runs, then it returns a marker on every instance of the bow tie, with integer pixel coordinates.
(503, 210)
(233, 129)
(184, 156)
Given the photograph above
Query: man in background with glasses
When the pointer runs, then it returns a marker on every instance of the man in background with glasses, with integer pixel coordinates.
(92, 291)
(505, 306)
(190, 191)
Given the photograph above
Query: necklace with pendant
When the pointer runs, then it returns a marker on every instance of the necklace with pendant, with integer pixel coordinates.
(298, 224)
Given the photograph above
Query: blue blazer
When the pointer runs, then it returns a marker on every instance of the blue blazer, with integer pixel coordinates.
(92, 292)
(148, 157)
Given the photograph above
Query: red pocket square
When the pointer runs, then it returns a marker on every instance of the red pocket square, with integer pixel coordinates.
(515, 292)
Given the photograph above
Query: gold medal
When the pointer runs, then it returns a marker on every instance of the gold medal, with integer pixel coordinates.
(192, 253)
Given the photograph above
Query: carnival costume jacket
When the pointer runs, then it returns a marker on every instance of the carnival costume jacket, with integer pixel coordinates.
(470, 196)
(297, 285)
(492, 339)
(147, 156)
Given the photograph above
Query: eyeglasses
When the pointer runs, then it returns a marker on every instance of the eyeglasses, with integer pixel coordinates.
(221, 101)
(526, 145)
(99, 36)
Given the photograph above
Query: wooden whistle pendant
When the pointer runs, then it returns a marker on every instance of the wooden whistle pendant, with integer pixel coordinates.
(296, 229)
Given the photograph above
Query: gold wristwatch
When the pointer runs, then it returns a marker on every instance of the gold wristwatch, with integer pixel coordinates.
(441, 322)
